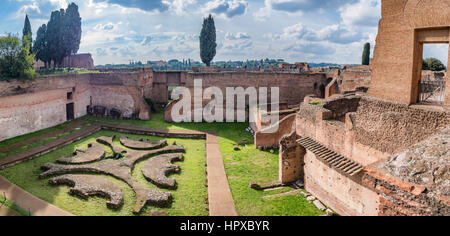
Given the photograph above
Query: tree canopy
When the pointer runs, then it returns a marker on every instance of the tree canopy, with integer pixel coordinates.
(40, 46)
(16, 61)
(433, 64)
(208, 41)
(72, 30)
(60, 38)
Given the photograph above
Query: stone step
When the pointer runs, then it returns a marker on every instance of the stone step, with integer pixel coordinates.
(336, 161)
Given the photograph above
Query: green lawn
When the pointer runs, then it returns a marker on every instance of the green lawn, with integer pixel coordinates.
(241, 166)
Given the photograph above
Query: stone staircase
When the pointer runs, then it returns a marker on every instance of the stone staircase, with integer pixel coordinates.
(336, 161)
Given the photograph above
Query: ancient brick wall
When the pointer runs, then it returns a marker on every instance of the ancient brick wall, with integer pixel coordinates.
(404, 27)
(293, 86)
(352, 79)
(272, 139)
(291, 159)
(162, 80)
(26, 113)
(372, 131)
(82, 60)
(45, 83)
(115, 96)
(34, 105)
(332, 124)
(345, 195)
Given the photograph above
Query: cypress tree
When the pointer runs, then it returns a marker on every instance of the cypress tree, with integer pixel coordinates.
(27, 33)
(208, 41)
(366, 55)
(71, 31)
(55, 37)
(40, 47)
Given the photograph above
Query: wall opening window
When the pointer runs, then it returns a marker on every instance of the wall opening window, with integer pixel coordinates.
(433, 76)
(69, 96)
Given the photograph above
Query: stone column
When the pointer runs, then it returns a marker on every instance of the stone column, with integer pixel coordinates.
(291, 159)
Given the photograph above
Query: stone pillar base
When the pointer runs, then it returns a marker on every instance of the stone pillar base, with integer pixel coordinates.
(291, 159)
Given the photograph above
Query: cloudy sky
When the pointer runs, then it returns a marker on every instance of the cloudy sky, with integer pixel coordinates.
(117, 31)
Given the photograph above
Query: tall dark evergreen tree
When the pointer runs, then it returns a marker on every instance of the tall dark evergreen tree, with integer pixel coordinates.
(71, 30)
(208, 41)
(27, 33)
(366, 55)
(55, 37)
(41, 46)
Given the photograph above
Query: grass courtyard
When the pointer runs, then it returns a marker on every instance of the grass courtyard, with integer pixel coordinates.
(189, 198)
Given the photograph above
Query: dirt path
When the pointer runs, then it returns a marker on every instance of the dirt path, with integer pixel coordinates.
(4, 211)
(28, 202)
(219, 195)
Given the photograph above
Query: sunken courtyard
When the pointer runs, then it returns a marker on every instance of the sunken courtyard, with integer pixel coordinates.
(359, 140)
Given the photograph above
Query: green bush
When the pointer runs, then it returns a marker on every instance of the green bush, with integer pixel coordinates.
(16, 61)
(433, 64)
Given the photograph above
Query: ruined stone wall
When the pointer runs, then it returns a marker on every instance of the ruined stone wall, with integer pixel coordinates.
(353, 79)
(161, 82)
(82, 60)
(116, 96)
(372, 131)
(393, 127)
(368, 129)
(272, 139)
(22, 114)
(345, 195)
(123, 91)
(81, 99)
(293, 86)
(416, 181)
(30, 106)
(45, 83)
(332, 124)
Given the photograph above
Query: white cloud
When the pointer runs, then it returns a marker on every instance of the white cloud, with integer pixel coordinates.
(107, 27)
(265, 12)
(334, 33)
(296, 7)
(362, 13)
(33, 7)
(180, 6)
(226, 8)
(240, 35)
